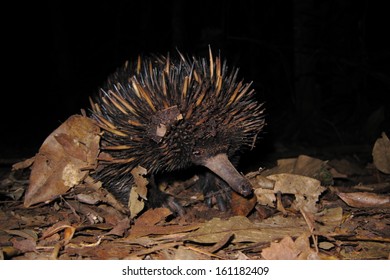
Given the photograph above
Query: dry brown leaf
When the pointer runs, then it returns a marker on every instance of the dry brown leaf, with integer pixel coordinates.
(183, 253)
(140, 181)
(25, 233)
(59, 164)
(308, 166)
(25, 245)
(216, 229)
(365, 199)
(381, 154)
(342, 168)
(136, 204)
(147, 224)
(329, 219)
(245, 231)
(302, 165)
(221, 243)
(120, 228)
(287, 249)
(303, 244)
(62, 225)
(284, 165)
(326, 245)
(23, 164)
(336, 174)
(305, 189)
(367, 250)
(259, 181)
(153, 216)
(242, 206)
(138, 192)
(96, 194)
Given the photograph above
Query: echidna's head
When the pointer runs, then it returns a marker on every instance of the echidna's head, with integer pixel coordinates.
(168, 114)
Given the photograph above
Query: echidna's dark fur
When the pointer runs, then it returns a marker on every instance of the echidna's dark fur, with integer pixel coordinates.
(160, 113)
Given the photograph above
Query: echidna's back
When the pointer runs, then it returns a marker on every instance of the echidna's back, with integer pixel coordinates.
(158, 112)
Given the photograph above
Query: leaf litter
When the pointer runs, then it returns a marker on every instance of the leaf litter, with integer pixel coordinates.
(303, 208)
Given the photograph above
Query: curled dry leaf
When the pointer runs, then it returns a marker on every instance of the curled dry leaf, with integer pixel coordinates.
(381, 154)
(305, 189)
(60, 226)
(365, 200)
(63, 159)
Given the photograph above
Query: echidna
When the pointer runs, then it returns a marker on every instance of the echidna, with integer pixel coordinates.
(167, 114)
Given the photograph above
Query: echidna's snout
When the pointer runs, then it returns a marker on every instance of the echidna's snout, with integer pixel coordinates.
(242, 186)
(221, 165)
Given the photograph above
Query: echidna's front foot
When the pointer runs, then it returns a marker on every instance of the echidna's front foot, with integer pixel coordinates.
(215, 190)
(157, 198)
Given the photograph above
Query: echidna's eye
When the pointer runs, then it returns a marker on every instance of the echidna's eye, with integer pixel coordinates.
(196, 153)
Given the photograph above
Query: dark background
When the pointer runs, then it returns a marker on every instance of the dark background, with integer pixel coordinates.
(321, 67)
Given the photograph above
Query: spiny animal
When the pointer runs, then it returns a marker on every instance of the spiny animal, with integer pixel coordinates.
(169, 113)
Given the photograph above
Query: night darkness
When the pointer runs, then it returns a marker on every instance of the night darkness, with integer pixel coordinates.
(321, 67)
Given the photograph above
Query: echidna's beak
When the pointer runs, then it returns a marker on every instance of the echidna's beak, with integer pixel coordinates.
(221, 165)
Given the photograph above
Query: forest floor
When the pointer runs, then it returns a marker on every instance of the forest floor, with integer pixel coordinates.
(303, 207)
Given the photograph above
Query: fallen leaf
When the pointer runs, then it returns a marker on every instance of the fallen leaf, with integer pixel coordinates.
(120, 228)
(23, 164)
(62, 158)
(159, 230)
(326, 245)
(146, 224)
(221, 243)
(305, 166)
(287, 249)
(138, 191)
(381, 154)
(182, 253)
(242, 206)
(305, 189)
(25, 245)
(25, 233)
(330, 217)
(302, 243)
(60, 226)
(342, 168)
(365, 199)
(308, 166)
(367, 251)
(152, 216)
(97, 193)
(140, 181)
(245, 231)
